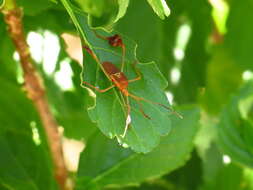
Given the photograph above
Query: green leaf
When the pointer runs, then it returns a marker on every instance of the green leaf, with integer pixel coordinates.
(109, 111)
(228, 177)
(143, 134)
(235, 131)
(240, 49)
(104, 13)
(189, 176)
(217, 174)
(160, 7)
(69, 108)
(149, 39)
(220, 83)
(101, 12)
(53, 20)
(6, 57)
(193, 66)
(95, 8)
(159, 42)
(25, 162)
(104, 163)
(54, 1)
(212, 163)
(2, 3)
(34, 8)
(123, 4)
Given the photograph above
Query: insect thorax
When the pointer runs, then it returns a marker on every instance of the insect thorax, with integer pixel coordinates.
(120, 80)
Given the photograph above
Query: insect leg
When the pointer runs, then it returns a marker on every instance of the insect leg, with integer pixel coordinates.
(159, 104)
(137, 72)
(97, 89)
(141, 109)
(99, 36)
(91, 53)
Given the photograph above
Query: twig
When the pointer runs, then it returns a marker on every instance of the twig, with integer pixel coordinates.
(35, 90)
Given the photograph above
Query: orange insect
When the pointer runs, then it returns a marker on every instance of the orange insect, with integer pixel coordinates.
(119, 79)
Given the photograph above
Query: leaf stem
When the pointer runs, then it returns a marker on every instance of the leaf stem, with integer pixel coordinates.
(35, 89)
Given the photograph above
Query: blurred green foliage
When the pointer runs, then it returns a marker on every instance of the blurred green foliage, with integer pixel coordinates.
(2, 3)
(209, 75)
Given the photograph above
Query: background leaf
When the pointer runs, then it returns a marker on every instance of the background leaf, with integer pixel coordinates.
(127, 167)
(160, 7)
(33, 9)
(103, 13)
(123, 4)
(240, 49)
(234, 131)
(19, 171)
(2, 3)
(222, 81)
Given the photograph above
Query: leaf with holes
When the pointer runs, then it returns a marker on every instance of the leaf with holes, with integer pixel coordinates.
(109, 110)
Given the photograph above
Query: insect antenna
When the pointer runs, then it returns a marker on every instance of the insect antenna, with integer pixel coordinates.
(141, 110)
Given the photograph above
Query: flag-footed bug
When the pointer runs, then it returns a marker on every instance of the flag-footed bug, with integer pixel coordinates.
(119, 79)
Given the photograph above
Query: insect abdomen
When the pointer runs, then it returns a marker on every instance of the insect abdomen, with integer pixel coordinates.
(110, 68)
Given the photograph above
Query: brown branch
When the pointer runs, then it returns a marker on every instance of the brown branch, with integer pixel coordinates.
(36, 93)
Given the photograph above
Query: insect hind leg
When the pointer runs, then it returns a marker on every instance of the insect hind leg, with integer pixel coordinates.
(141, 109)
(137, 98)
(137, 72)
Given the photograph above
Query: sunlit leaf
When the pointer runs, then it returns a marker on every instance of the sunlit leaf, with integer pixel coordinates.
(2, 3)
(160, 7)
(123, 4)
